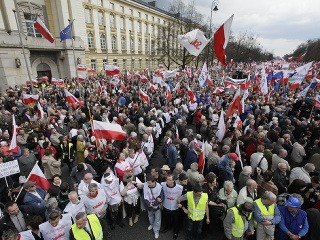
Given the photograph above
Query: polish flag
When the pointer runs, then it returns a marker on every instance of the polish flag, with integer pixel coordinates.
(43, 30)
(37, 176)
(235, 104)
(28, 98)
(34, 82)
(201, 161)
(40, 111)
(82, 67)
(128, 75)
(144, 96)
(108, 131)
(137, 74)
(221, 127)
(57, 81)
(239, 154)
(221, 38)
(153, 87)
(191, 96)
(144, 79)
(238, 123)
(169, 95)
(44, 79)
(99, 90)
(290, 58)
(123, 87)
(317, 101)
(114, 81)
(72, 99)
(177, 88)
(301, 57)
(111, 70)
(13, 145)
(177, 132)
(218, 90)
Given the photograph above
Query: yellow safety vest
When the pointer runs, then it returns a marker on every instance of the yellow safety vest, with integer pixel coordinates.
(238, 225)
(267, 213)
(96, 228)
(196, 213)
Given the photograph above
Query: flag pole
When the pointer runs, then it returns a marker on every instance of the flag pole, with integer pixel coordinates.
(74, 58)
(18, 21)
(311, 113)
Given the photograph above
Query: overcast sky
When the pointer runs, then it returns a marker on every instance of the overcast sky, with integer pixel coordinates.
(280, 25)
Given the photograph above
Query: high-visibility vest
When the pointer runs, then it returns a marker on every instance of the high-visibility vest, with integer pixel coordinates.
(265, 213)
(196, 213)
(238, 225)
(96, 228)
(69, 149)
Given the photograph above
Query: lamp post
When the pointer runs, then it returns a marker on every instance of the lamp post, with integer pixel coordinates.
(214, 7)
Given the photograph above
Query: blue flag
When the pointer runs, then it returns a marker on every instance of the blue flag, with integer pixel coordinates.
(313, 84)
(66, 33)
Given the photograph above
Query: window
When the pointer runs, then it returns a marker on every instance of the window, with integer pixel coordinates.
(132, 64)
(152, 63)
(93, 64)
(88, 15)
(115, 62)
(139, 45)
(122, 9)
(112, 21)
(122, 23)
(152, 29)
(123, 43)
(31, 30)
(139, 14)
(140, 63)
(146, 46)
(159, 20)
(147, 63)
(147, 28)
(103, 41)
(152, 19)
(100, 18)
(124, 64)
(104, 63)
(139, 27)
(113, 43)
(131, 44)
(112, 6)
(146, 16)
(100, 3)
(131, 12)
(90, 41)
(131, 24)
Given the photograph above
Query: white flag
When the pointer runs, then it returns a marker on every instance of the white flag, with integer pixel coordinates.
(264, 83)
(203, 75)
(304, 92)
(193, 41)
(221, 127)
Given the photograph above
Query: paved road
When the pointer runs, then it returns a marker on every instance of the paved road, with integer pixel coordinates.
(140, 229)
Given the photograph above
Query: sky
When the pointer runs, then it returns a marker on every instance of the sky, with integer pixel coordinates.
(279, 25)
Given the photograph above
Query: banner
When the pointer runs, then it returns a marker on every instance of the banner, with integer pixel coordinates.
(9, 168)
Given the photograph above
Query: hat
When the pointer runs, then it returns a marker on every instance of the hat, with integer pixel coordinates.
(54, 213)
(234, 156)
(28, 184)
(165, 168)
(293, 202)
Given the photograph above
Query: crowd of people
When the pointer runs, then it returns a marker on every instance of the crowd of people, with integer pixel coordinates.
(259, 180)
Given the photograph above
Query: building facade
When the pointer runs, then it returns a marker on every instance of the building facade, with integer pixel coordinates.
(125, 33)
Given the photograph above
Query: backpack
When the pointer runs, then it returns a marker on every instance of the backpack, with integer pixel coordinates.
(257, 168)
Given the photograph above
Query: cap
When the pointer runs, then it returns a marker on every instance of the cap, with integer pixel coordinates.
(28, 184)
(165, 168)
(234, 156)
(293, 202)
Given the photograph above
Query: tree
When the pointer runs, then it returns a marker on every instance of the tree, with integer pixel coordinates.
(310, 47)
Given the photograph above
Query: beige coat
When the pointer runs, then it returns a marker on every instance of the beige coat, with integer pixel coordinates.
(51, 166)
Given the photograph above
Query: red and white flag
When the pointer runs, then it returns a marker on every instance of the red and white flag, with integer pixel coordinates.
(40, 111)
(13, 145)
(201, 161)
(239, 153)
(128, 75)
(177, 88)
(114, 81)
(28, 98)
(193, 41)
(44, 79)
(191, 95)
(169, 95)
(108, 131)
(300, 58)
(43, 30)
(235, 104)
(300, 74)
(55, 81)
(82, 67)
(218, 90)
(237, 123)
(34, 82)
(317, 101)
(123, 87)
(37, 176)
(177, 132)
(99, 90)
(221, 127)
(144, 96)
(72, 99)
(144, 79)
(221, 38)
(111, 70)
(153, 87)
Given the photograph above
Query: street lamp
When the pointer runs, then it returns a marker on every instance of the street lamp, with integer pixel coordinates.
(214, 8)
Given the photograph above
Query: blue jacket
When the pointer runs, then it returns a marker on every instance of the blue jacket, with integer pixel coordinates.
(172, 155)
(32, 200)
(191, 157)
(295, 224)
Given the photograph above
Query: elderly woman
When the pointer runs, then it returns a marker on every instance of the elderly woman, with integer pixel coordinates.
(244, 176)
(267, 184)
(52, 204)
(50, 165)
(228, 194)
(129, 191)
(80, 149)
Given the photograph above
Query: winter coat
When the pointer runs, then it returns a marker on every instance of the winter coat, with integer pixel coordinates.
(51, 166)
